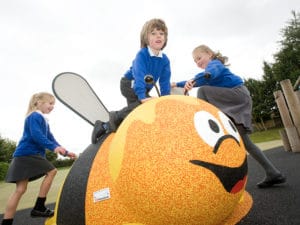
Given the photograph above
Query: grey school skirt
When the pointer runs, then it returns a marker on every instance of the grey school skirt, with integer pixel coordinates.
(28, 168)
(236, 103)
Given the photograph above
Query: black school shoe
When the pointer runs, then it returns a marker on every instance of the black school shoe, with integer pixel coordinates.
(98, 131)
(46, 213)
(270, 181)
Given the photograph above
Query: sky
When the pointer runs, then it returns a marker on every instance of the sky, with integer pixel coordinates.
(99, 39)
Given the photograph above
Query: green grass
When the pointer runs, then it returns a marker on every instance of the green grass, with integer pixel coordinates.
(264, 136)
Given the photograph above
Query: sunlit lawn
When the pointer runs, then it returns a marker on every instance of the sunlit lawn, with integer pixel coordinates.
(264, 136)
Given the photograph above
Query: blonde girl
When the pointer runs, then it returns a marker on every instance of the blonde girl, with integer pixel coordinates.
(220, 87)
(29, 162)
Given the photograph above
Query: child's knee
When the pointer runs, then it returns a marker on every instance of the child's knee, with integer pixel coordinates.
(52, 173)
(21, 189)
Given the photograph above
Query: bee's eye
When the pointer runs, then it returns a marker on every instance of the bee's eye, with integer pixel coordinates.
(208, 127)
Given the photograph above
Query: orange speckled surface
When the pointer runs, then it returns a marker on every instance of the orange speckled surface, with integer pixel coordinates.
(146, 166)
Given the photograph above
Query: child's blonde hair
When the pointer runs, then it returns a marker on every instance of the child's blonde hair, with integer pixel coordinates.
(42, 97)
(215, 55)
(149, 26)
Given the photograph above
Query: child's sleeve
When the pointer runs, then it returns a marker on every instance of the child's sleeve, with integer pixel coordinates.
(40, 132)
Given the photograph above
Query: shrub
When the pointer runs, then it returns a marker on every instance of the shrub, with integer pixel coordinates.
(3, 169)
(63, 163)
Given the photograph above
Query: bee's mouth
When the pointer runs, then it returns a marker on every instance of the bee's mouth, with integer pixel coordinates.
(232, 179)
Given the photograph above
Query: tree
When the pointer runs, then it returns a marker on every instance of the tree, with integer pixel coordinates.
(286, 66)
(270, 84)
(7, 148)
(259, 109)
(287, 60)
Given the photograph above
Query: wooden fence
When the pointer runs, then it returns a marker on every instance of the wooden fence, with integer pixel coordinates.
(288, 102)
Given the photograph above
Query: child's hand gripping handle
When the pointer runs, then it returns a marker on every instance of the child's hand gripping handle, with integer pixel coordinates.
(191, 83)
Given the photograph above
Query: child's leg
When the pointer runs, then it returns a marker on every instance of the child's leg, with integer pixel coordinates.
(47, 182)
(259, 156)
(13, 201)
(273, 175)
(39, 209)
(201, 94)
(116, 117)
(127, 90)
(44, 189)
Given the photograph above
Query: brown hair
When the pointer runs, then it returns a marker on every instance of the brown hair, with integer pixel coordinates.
(215, 55)
(149, 26)
(42, 97)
